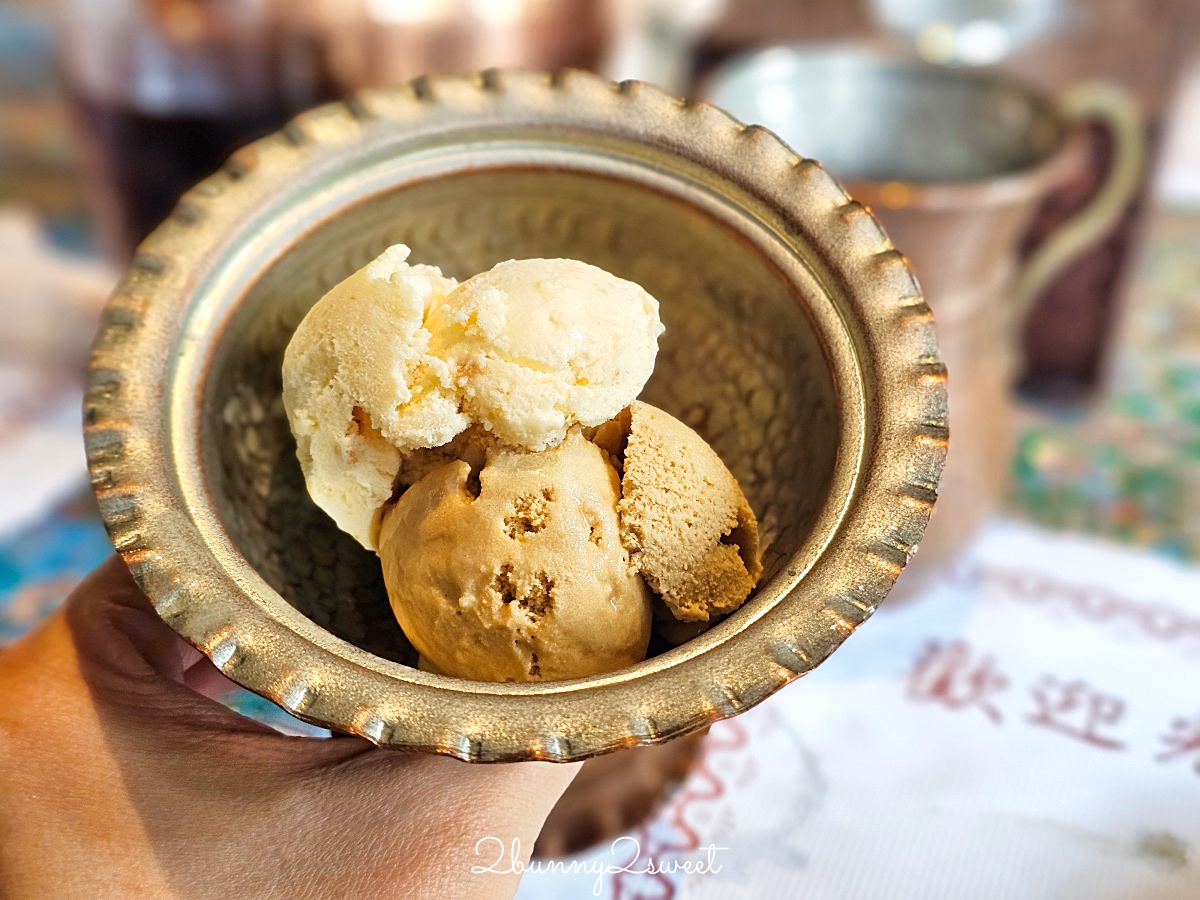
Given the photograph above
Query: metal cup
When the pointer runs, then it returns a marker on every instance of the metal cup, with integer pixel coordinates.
(954, 163)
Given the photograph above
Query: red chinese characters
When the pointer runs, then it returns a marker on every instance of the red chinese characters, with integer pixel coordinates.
(1182, 741)
(958, 676)
(1076, 709)
(952, 675)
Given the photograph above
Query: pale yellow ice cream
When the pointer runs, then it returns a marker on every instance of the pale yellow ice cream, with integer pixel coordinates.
(544, 344)
(525, 581)
(399, 357)
(360, 386)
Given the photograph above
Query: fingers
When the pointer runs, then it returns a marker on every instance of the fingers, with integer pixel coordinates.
(117, 629)
(206, 679)
(338, 817)
(130, 659)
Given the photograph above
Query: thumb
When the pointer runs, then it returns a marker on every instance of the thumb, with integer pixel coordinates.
(131, 660)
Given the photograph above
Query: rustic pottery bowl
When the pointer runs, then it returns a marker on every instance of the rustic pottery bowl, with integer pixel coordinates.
(797, 343)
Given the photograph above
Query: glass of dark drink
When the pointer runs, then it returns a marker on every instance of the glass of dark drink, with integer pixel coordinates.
(164, 90)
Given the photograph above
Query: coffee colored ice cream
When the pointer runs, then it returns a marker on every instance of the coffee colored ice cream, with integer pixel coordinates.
(542, 569)
(687, 525)
(521, 578)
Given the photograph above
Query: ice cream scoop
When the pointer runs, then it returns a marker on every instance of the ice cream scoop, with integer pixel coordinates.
(544, 344)
(399, 357)
(360, 387)
(522, 576)
(684, 518)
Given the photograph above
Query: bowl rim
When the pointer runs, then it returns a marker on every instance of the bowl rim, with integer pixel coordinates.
(140, 415)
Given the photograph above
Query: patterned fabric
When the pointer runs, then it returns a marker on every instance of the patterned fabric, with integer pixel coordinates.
(1130, 468)
(40, 565)
(1028, 728)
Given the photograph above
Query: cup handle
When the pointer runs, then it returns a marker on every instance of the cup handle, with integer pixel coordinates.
(1112, 107)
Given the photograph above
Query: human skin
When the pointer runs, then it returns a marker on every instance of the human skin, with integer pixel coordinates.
(120, 778)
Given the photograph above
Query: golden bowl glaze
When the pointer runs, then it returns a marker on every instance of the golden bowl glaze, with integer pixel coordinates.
(797, 343)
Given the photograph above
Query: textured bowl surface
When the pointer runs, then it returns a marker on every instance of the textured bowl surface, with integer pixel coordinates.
(797, 343)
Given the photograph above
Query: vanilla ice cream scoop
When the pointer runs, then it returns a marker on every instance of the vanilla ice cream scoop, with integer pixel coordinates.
(521, 576)
(544, 344)
(398, 357)
(360, 387)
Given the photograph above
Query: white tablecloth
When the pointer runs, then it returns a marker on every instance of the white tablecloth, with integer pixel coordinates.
(1028, 729)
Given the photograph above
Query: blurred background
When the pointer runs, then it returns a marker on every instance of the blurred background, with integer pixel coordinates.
(1037, 160)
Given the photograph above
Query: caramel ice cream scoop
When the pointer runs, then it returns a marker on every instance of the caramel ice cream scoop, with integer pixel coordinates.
(684, 519)
(522, 577)
(543, 570)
